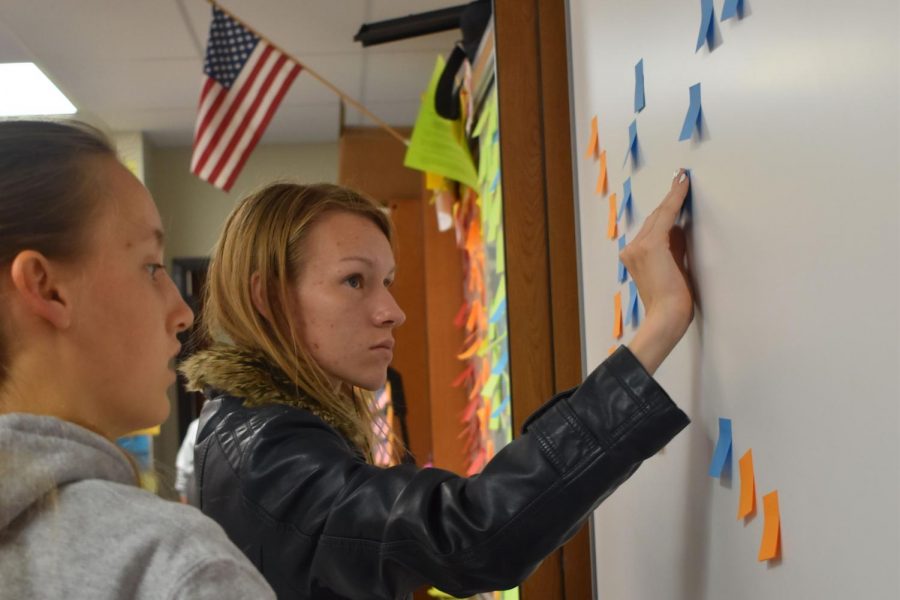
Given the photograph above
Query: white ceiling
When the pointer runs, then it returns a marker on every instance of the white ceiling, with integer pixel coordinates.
(136, 65)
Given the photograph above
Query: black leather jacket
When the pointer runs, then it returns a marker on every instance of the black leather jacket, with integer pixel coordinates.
(319, 522)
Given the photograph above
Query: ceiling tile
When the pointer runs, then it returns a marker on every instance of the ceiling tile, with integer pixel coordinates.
(137, 65)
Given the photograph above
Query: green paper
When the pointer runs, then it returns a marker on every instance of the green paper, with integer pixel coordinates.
(500, 261)
(490, 385)
(499, 295)
(438, 145)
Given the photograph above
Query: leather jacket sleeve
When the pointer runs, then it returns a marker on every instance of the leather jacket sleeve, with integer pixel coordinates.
(318, 521)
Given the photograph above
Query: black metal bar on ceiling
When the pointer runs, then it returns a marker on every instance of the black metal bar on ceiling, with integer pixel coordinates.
(411, 26)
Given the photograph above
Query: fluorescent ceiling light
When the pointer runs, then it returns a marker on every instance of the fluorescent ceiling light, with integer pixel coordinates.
(27, 91)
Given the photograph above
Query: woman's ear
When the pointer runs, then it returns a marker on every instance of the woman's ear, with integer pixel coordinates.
(259, 297)
(37, 286)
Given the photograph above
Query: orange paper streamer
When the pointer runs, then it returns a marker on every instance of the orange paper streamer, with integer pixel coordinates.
(472, 321)
(617, 322)
(612, 349)
(471, 350)
(601, 178)
(748, 486)
(611, 229)
(771, 541)
(477, 463)
(594, 141)
(466, 373)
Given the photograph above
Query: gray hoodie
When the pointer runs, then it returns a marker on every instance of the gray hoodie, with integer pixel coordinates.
(73, 525)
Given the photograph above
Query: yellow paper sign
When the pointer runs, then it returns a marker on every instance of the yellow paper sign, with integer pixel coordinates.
(437, 145)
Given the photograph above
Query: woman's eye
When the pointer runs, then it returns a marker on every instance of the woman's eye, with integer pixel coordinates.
(154, 268)
(354, 281)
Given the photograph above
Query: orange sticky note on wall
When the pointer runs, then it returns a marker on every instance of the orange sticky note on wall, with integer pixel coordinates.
(601, 178)
(611, 229)
(771, 541)
(748, 486)
(594, 142)
(617, 323)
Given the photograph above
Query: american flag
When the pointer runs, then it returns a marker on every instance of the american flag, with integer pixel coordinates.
(246, 78)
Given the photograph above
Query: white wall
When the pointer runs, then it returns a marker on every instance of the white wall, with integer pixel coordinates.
(796, 247)
(193, 211)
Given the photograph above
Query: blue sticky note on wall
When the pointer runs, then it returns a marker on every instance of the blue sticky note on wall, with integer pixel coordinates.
(639, 86)
(501, 363)
(707, 32)
(632, 315)
(631, 309)
(733, 8)
(500, 408)
(687, 209)
(626, 206)
(499, 312)
(623, 272)
(692, 118)
(632, 143)
(722, 455)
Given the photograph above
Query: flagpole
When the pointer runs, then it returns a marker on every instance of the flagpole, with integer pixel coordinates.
(344, 96)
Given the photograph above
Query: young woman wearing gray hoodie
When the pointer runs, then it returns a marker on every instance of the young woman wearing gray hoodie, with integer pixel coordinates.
(88, 332)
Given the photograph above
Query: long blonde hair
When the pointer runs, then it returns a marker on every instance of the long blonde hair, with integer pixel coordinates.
(265, 235)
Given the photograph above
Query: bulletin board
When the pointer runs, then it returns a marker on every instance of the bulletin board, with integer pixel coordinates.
(794, 151)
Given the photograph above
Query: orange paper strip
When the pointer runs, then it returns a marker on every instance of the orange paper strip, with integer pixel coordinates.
(471, 350)
(473, 316)
(594, 141)
(601, 178)
(477, 462)
(469, 371)
(748, 486)
(771, 541)
(612, 349)
(611, 229)
(617, 322)
(460, 317)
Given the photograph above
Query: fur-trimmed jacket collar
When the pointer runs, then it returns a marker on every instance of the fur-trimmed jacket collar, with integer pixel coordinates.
(251, 376)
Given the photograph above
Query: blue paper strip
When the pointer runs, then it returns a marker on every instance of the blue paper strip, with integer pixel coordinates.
(500, 409)
(687, 208)
(625, 207)
(693, 114)
(498, 312)
(632, 314)
(732, 8)
(501, 364)
(706, 24)
(639, 86)
(495, 182)
(623, 272)
(632, 142)
(722, 456)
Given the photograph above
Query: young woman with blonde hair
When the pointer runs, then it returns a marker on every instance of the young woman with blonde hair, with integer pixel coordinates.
(299, 300)
(89, 328)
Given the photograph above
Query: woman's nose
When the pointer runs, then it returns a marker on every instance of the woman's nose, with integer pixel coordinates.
(182, 315)
(389, 313)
